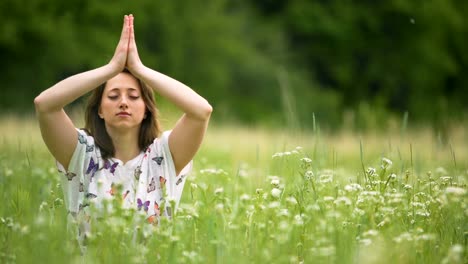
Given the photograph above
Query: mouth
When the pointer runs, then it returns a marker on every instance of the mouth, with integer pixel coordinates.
(123, 114)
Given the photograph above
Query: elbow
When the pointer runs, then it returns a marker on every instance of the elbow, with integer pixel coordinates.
(40, 105)
(207, 110)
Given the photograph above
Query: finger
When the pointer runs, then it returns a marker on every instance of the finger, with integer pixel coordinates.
(132, 29)
(125, 26)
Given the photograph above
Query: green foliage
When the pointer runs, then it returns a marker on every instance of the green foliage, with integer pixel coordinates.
(338, 56)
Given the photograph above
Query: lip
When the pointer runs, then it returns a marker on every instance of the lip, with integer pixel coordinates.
(123, 114)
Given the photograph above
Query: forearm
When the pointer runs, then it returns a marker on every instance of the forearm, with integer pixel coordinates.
(191, 103)
(70, 89)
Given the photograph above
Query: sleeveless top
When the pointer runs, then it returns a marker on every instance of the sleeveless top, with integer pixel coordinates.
(147, 183)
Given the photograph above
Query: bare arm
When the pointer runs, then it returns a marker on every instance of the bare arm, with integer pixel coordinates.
(57, 129)
(187, 135)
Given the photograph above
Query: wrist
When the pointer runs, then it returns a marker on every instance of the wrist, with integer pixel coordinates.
(138, 70)
(114, 68)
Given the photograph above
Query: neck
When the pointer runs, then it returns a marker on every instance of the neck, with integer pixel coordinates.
(125, 143)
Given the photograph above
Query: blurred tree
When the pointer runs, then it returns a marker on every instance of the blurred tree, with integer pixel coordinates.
(269, 61)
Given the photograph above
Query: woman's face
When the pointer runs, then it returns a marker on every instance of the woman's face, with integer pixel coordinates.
(122, 104)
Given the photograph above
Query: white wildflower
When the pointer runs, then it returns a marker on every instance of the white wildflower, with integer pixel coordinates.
(283, 212)
(219, 207)
(371, 171)
(455, 191)
(441, 171)
(306, 160)
(370, 232)
(353, 187)
(283, 225)
(275, 182)
(326, 178)
(245, 197)
(291, 200)
(275, 192)
(274, 205)
(386, 163)
(219, 190)
(455, 255)
(365, 241)
(309, 174)
(343, 200)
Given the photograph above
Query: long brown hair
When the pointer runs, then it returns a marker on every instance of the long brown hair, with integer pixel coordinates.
(95, 126)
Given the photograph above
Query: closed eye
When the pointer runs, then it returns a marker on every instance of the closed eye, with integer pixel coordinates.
(113, 97)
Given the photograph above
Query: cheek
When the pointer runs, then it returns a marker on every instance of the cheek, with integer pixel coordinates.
(105, 106)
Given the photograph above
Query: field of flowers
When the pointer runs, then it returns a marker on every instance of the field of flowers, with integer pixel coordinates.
(258, 196)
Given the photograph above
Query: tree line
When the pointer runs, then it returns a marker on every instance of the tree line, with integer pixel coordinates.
(267, 61)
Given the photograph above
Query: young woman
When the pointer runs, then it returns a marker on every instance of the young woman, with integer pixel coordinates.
(121, 152)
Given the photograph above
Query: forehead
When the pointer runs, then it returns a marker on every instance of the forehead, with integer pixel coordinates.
(121, 81)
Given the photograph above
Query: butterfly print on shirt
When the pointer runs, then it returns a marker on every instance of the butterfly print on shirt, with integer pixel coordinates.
(92, 167)
(179, 181)
(137, 173)
(82, 139)
(89, 148)
(153, 218)
(125, 194)
(151, 186)
(162, 182)
(70, 175)
(82, 206)
(111, 168)
(145, 205)
(158, 160)
(112, 190)
(90, 195)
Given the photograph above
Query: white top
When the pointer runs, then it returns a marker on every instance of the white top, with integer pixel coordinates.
(145, 183)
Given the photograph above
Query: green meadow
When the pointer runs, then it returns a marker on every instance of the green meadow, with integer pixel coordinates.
(259, 195)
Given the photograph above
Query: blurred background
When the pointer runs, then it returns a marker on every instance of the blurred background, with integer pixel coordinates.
(356, 65)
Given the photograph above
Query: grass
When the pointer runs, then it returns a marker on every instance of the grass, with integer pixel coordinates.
(255, 197)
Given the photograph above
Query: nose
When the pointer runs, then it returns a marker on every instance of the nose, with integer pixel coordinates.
(123, 103)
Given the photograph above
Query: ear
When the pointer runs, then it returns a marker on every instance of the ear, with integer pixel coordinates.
(100, 113)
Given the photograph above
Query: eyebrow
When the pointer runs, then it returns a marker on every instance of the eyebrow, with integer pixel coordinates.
(118, 89)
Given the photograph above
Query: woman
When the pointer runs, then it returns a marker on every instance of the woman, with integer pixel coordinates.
(121, 154)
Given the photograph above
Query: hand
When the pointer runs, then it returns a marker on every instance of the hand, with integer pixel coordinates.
(119, 60)
(133, 59)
